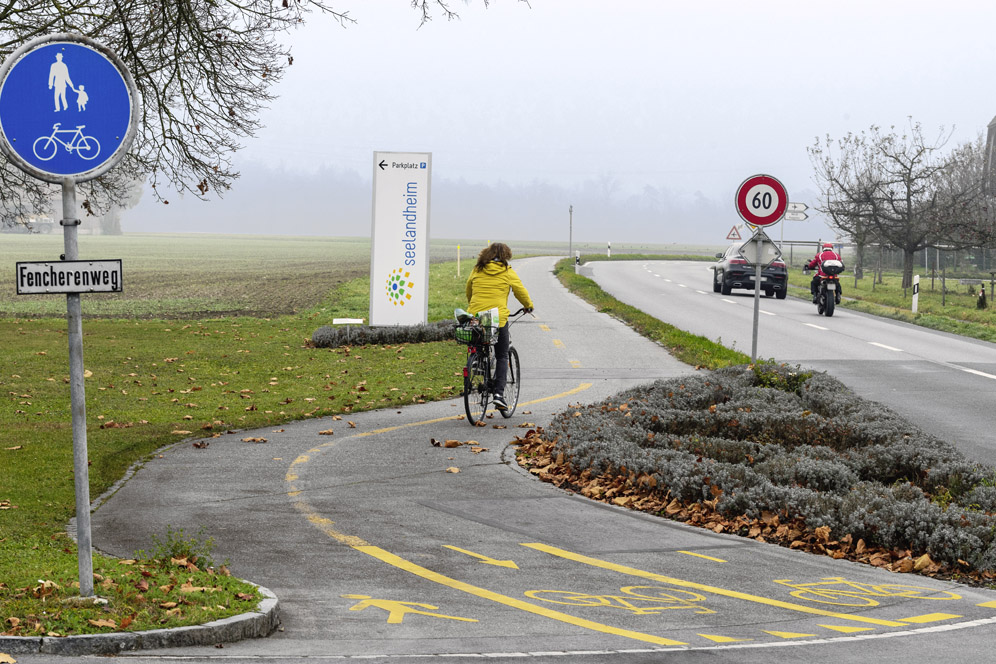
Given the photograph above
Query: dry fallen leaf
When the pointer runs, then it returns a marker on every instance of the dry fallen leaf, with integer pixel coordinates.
(180, 432)
(16, 447)
(327, 432)
(254, 440)
(103, 623)
(352, 425)
(452, 443)
(7, 659)
(452, 469)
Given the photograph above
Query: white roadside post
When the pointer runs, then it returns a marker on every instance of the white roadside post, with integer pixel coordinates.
(916, 292)
(761, 200)
(30, 137)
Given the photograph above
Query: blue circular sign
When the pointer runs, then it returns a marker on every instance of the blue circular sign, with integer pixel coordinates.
(67, 108)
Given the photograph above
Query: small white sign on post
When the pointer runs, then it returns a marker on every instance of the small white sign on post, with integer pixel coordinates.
(399, 264)
(69, 277)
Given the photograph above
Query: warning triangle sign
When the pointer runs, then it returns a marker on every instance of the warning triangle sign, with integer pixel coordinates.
(734, 234)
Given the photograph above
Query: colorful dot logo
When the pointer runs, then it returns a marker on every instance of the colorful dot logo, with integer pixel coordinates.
(399, 288)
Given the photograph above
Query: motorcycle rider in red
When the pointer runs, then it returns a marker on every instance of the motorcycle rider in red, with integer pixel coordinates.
(826, 253)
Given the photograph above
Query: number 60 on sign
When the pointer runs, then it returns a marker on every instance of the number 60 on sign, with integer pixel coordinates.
(761, 200)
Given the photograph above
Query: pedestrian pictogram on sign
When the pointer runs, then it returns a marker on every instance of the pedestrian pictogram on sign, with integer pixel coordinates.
(734, 234)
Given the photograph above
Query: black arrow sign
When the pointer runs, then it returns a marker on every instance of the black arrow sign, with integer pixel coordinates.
(383, 164)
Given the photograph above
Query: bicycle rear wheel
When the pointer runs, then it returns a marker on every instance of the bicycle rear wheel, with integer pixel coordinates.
(476, 391)
(511, 393)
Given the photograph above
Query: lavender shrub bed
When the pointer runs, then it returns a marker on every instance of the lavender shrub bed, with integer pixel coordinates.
(776, 438)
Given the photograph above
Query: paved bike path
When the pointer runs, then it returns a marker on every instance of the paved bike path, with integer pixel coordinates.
(374, 549)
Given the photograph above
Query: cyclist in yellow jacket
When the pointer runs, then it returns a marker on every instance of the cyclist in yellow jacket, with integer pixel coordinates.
(487, 287)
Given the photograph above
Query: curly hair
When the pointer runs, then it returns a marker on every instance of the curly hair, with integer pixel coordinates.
(496, 252)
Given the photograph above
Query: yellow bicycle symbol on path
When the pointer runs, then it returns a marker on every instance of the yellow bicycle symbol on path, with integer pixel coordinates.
(639, 600)
(841, 592)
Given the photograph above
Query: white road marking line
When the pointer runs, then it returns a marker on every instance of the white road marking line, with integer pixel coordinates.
(818, 327)
(730, 301)
(656, 275)
(682, 286)
(668, 280)
(875, 343)
(767, 313)
(978, 373)
(702, 291)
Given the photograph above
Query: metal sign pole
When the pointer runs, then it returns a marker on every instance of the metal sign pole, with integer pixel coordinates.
(77, 396)
(758, 269)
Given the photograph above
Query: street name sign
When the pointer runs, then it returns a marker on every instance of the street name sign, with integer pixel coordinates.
(69, 277)
(68, 108)
(795, 216)
(761, 200)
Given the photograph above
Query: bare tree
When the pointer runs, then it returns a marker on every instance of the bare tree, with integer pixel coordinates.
(900, 189)
(203, 68)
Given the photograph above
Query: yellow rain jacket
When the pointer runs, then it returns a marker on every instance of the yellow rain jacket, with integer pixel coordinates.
(489, 288)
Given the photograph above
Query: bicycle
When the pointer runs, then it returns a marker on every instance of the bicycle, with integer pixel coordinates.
(479, 372)
(86, 147)
(854, 593)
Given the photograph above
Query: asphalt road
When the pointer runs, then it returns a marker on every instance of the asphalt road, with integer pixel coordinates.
(944, 383)
(376, 552)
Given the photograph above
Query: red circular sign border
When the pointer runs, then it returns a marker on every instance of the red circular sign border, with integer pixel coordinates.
(745, 212)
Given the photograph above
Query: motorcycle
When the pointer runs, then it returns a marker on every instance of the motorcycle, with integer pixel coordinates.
(828, 290)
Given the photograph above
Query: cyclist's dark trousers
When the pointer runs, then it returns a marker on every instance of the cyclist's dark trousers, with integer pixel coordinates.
(501, 356)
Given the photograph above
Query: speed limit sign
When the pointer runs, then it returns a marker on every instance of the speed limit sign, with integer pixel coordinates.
(762, 200)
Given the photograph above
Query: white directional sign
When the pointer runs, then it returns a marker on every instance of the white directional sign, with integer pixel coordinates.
(69, 277)
(761, 200)
(796, 207)
(68, 108)
(795, 216)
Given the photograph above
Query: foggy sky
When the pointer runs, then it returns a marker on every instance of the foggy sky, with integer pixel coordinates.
(684, 98)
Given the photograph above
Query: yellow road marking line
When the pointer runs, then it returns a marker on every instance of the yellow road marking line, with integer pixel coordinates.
(847, 629)
(681, 583)
(788, 635)
(558, 343)
(699, 555)
(580, 388)
(722, 639)
(545, 328)
(575, 364)
(931, 617)
(487, 560)
(987, 605)
(326, 525)
(407, 566)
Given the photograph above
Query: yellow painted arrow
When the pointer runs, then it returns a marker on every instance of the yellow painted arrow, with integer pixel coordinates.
(485, 559)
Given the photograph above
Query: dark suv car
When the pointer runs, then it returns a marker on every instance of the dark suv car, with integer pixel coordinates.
(732, 271)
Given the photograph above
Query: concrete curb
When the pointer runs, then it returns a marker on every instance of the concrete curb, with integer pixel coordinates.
(255, 624)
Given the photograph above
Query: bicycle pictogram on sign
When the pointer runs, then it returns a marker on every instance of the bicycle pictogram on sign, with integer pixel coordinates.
(86, 147)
